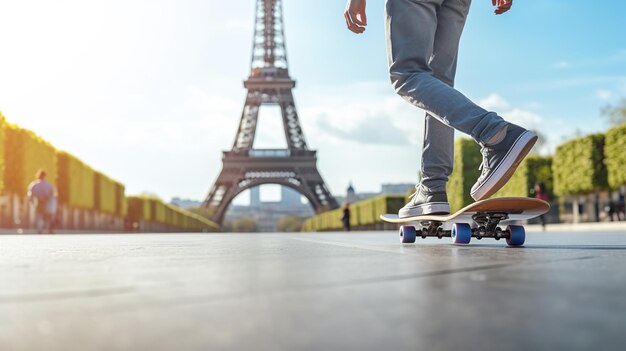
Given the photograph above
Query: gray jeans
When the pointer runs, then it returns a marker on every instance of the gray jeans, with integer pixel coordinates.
(422, 46)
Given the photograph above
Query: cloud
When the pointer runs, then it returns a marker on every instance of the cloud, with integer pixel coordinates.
(494, 102)
(562, 65)
(369, 114)
(524, 118)
(617, 57)
(374, 130)
(604, 94)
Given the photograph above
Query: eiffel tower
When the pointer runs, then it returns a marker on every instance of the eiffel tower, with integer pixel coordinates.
(269, 83)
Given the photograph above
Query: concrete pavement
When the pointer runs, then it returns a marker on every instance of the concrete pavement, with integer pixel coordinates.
(297, 291)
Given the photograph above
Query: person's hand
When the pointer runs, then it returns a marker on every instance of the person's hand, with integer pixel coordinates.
(502, 6)
(355, 16)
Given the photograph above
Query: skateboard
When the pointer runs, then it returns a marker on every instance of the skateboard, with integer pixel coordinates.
(478, 220)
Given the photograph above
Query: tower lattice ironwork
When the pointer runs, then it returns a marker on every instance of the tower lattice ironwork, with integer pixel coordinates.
(269, 83)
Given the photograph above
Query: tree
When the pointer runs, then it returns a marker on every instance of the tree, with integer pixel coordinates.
(615, 115)
(615, 156)
(244, 225)
(290, 224)
(578, 169)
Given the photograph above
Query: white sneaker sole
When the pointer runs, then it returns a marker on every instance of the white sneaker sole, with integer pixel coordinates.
(425, 209)
(505, 170)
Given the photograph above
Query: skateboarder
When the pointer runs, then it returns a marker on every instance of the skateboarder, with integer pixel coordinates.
(422, 45)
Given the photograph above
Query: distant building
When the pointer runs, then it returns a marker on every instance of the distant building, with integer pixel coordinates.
(255, 196)
(341, 199)
(396, 188)
(289, 197)
(185, 203)
(267, 213)
(351, 195)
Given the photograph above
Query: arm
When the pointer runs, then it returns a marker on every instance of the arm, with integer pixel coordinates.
(355, 16)
(502, 6)
(29, 194)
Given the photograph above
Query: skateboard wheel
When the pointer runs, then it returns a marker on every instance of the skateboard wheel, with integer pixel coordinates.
(461, 233)
(517, 235)
(407, 234)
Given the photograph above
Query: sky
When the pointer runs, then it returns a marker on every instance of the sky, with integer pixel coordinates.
(150, 91)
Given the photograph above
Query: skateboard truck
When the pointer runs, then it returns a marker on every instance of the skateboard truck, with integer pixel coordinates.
(488, 225)
(432, 228)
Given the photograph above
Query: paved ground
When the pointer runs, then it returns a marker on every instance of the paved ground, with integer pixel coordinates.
(563, 291)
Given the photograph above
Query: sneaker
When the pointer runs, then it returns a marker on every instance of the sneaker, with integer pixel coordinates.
(501, 160)
(424, 204)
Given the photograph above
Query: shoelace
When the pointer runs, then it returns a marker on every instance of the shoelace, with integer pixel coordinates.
(414, 195)
(484, 168)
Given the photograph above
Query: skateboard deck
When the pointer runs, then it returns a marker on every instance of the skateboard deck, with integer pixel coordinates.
(478, 220)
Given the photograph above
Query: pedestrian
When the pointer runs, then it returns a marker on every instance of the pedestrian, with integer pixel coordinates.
(422, 45)
(621, 207)
(541, 194)
(346, 217)
(41, 195)
(611, 210)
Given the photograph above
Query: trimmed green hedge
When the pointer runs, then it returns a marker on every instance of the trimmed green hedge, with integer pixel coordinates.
(534, 169)
(76, 182)
(362, 213)
(107, 194)
(2, 122)
(24, 154)
(149, 209)
(578, 166)
(615, 156)
(467, 159)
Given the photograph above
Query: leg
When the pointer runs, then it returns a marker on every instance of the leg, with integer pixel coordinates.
(411, 27)
(47, 223)
(438, 151)
(437, 155)
(39, 222)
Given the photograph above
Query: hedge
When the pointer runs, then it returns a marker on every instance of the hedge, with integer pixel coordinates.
(362, 213)
(136, 209)
(534, 169)
(76, 184)
(150, 209)
(121, 207)
(578, 166)
(24, 154)
(2, 122)
(467, 159)
(158, 211)
(615, 156)
(107, 194)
